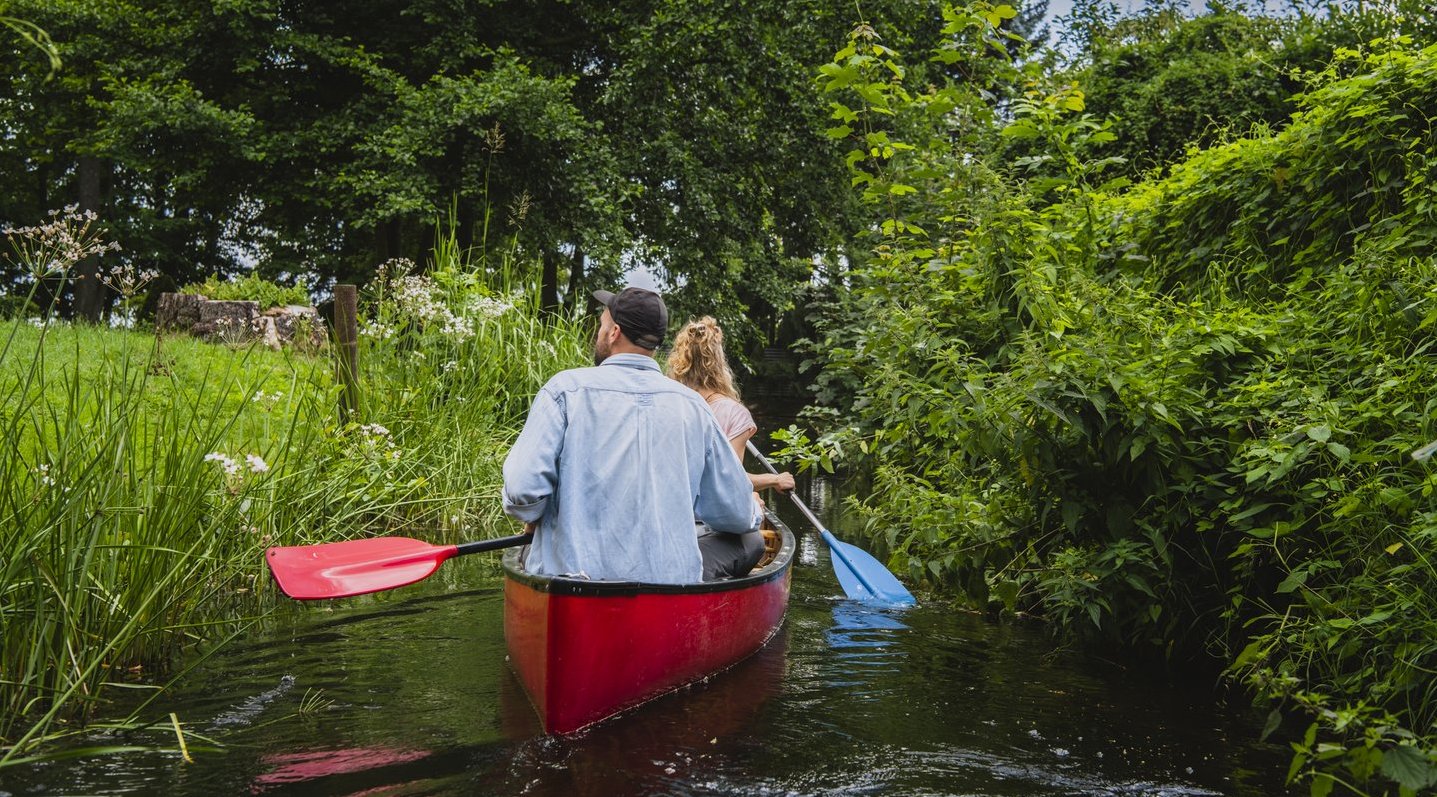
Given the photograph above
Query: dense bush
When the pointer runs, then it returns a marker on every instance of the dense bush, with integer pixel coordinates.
(1176, 416)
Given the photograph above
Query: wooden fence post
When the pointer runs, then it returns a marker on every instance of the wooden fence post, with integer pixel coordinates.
(346, 331)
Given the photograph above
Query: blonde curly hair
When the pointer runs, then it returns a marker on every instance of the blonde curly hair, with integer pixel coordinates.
(697, 359)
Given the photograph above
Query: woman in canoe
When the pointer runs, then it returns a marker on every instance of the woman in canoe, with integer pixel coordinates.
(698, 361)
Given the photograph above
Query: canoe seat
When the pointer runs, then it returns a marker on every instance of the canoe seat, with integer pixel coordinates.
(772, 542)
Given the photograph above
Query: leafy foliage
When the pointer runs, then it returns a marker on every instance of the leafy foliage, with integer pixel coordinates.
(1173, 416)
(676, 135)
(251, 287)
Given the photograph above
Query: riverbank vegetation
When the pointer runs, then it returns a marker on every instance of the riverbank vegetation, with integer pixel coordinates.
(1176, 398)
(149, 473)
(1133, 335)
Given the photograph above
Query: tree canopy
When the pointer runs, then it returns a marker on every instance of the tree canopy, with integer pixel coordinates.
(591, 136)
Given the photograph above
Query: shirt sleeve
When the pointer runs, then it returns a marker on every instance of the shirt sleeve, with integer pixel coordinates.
(725, 501)
(734, 418)
(531, 471)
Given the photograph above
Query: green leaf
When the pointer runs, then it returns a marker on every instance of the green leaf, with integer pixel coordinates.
(1410, 767)
(1274, 720)
(1249, 512)
(1021, 130)
(1319, 434)
(1321, 785)
(1249, 654)
(1294, 580)
(1007, 592)
(843, 131)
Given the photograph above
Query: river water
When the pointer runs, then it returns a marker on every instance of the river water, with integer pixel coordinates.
(408, 693)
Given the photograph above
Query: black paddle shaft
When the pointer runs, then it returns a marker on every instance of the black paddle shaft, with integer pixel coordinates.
(490, 545)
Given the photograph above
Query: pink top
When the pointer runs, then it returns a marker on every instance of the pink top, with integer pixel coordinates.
(733, 417)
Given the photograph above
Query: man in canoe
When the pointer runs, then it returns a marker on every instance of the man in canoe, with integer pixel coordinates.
(617, 461)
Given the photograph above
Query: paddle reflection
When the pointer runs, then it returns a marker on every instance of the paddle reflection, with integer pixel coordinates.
(865, 640)
(331, 770)
(678, 735)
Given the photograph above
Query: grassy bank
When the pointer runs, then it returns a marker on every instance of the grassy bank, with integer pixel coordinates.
(150, 473)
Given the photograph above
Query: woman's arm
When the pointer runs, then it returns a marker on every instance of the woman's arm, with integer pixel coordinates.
(783, 482)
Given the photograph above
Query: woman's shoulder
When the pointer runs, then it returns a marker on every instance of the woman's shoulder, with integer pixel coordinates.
(733, 417)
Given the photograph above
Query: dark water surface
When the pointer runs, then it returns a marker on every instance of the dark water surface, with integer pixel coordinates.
(408, 693)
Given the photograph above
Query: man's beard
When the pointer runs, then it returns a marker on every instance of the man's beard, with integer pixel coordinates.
(602, 350)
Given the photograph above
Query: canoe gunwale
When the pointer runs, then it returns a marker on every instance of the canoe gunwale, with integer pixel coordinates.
(562, 585)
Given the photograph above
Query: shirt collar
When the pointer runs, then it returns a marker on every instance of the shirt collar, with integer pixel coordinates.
(628, 360)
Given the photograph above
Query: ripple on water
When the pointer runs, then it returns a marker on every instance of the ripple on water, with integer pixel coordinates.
(847, 700)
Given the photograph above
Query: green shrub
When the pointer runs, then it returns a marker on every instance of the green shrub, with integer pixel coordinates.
(1174, 417)
(251, 287)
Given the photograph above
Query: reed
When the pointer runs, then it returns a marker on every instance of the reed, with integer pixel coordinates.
(148, 474)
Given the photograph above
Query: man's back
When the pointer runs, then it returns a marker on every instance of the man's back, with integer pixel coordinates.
(615, 462)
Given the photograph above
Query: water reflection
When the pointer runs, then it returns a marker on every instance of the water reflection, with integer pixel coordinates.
(662, 747)
(866, 644)
(409, 693)
(316, 765)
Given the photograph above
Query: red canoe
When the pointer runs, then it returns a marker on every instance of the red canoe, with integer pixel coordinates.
(587, 650)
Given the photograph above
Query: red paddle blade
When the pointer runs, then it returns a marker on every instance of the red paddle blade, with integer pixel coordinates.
(342, 569)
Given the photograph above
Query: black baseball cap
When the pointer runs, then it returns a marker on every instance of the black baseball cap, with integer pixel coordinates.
(639, 313)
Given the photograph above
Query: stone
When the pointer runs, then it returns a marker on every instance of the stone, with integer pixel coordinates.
(240, 321)
(178, 311)
(268, 331)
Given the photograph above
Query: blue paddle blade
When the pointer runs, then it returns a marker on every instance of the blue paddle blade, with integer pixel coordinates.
(862, 577)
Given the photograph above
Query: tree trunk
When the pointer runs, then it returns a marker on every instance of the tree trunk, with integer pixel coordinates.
(386, 239)
(549, 285)
(89, 292)
(572, 299)
(464, 227)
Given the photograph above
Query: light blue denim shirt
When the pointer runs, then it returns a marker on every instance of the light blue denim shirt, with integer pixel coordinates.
(616, 462)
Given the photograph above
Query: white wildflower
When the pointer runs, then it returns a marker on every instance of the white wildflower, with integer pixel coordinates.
(376, 330)
(127, 280)
(256, 465)
(488, 307)
(58, 244)
(42, 475)
(230, 466)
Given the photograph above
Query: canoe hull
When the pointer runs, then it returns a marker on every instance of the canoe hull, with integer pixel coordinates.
(587, 650)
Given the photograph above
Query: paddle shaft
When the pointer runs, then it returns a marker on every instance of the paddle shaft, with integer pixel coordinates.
(489, 545)
(753, 449)
(861, 576)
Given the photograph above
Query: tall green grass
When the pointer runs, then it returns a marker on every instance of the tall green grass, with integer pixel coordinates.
(149, 474)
